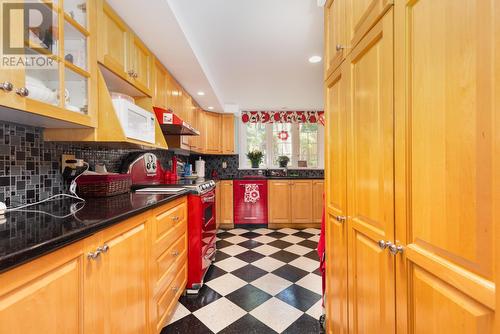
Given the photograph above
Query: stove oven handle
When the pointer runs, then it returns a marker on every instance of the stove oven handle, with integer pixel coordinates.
(209, 256)
(208, 199)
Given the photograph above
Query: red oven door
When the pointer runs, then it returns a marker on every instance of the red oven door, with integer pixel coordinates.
(209, 228)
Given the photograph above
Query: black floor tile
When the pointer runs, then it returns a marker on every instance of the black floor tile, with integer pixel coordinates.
(203, 298)
(224, 235)
(313, 255)
(223, 243)
(250, 256)
(250, 235)
(280, 244)
(247, 325)
(214, 272)
(291, 273)
(250, 244)
(309, 243)
(277, 235)
(248, 297)
(249, 273)
(304, 325)
(284, 256)
(299, 297)
(219, 256)
(318, 272)
(302, 234)
(189, 324)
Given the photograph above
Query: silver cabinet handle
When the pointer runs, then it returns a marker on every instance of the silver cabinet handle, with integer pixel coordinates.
(175, 253)
(103, 249)
(175, 288)
(131, 73)
(339, 47)
(396, 249)
(23, 91)
(384, 244)
(93, 255)
(136, 75)
(341, 219)
(175, 219)
(6, 86)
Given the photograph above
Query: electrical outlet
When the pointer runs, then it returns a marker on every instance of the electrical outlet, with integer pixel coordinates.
(224, 165)
(65, 157)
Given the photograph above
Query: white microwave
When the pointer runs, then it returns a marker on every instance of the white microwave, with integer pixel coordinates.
(137, 123)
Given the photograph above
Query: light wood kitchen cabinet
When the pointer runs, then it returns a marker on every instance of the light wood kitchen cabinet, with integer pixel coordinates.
(336, 108)
(278, 201)
(300, 201)
(45, 296)
(361, 16)
(318, 188)
(226, 204)
(227, 134)
(122, 52)
(217, 204)
(213, 133)
(337, 44)
(160, 85)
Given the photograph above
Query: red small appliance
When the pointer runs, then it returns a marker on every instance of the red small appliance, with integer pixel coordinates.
(250, 202)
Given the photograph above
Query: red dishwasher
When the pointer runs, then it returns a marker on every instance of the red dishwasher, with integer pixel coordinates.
(250, 201)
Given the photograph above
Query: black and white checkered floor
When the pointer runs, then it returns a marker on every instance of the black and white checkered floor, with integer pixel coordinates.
(263, 281)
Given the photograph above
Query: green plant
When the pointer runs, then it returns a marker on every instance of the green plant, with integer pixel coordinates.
(255, 157)
(283, 160)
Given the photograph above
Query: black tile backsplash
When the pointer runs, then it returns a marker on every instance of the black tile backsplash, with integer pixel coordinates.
(30, 167)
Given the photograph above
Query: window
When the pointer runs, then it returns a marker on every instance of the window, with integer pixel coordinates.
(302, 143)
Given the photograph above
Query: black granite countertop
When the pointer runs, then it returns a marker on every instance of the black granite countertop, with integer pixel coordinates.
(272, 178)
(26, 235)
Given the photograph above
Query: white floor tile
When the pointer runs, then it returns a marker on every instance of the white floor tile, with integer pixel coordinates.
(315, 238)
(312, 230)
(311, 282)
(271, 284)
(316, 310)
(276, 314)
(305, 263)
(291, 238)
(230, 264)
(288, 230)
(233, 250)
(236, 239)
(219, 314)
(264, 239)
(237, 231)
(266, 250)
(179, 313)
(268, 264)
(226, 284)
(299, 250)
(263, 231)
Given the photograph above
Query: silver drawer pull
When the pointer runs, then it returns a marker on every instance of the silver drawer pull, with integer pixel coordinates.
(93, 255)
(175, 253)
(175, 288)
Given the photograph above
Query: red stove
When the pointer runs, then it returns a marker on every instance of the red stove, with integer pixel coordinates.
(149, 177)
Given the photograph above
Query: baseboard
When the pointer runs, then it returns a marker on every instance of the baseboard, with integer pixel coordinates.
(294, 225)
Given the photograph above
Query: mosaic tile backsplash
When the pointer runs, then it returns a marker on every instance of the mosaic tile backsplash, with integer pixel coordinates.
(30, 168)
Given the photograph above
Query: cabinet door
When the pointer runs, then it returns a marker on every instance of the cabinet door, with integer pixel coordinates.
(362, 16)
(279, 202)
(335, 35)
(44, 295)
(113, 41)
(141, 63)
(227, 202)
(227, 134)
(371, 182)
(318, 188)
(213, 122)
(124, 278)
(448, 213)
(160, 86)
(336, 109)
(300, 201)
(218, 201)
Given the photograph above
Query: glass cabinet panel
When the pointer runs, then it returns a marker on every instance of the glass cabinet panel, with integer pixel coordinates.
(43, 36)
(75, 92)
(75, 46)
(43, 83)
(77, 10)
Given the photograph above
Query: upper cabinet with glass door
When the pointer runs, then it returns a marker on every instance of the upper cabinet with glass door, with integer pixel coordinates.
(122, 52)
(55, 66)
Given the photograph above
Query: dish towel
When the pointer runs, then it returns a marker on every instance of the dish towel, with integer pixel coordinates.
(252, 194)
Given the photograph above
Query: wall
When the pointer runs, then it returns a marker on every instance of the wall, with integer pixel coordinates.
(30, 168)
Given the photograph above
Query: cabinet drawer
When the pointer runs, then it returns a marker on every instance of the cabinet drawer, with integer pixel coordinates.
(165, 266)
(165, 218)
(165, 305)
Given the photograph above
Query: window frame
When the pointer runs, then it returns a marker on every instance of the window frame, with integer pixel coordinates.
(269, 162)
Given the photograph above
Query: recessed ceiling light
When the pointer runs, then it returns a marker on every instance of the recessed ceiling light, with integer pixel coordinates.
(315, 59)
(201, 93)
(210, 108)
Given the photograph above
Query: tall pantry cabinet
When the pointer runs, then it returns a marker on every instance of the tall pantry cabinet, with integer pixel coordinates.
(412, 166)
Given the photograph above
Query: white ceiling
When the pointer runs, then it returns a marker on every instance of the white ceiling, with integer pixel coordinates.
(249, 53)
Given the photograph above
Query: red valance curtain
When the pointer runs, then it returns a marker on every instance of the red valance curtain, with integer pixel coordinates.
(283, 117)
